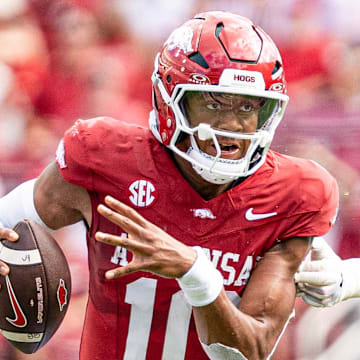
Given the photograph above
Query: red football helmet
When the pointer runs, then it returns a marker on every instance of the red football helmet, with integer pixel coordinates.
(218, 53)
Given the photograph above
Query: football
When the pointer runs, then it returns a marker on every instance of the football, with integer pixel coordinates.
(35, 295)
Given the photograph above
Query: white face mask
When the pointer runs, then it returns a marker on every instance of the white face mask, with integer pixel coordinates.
(218, 170)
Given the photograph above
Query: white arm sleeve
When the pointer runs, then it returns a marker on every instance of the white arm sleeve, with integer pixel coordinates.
(18, 204)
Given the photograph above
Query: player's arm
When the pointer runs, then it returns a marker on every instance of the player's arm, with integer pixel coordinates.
(227, 332)
(266, 305)
(48, 200)
(325, 280)
(58, 202)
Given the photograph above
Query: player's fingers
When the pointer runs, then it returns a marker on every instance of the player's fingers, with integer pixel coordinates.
(115, 240)
(312, 301)
(11, 235)
(327, 302)
(316, 265)
(4, 269)
(8, 234)
(320, 293)
(124, 222)
(316, 278)
(120, 271)
(125, 210)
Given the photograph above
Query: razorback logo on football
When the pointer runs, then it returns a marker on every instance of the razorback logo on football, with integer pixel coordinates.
(62, 294)
(142, 193)
(20, 319)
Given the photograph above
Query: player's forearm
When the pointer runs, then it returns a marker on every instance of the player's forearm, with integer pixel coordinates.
(351, 278)
(253, 328)
(222, 323)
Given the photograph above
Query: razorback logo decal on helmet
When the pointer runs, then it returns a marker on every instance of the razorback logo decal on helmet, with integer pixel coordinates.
(142, 193)
(62, 294)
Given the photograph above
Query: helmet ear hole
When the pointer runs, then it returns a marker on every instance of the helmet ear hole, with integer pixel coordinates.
(168, 79)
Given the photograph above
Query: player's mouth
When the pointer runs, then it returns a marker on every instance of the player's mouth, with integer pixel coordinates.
(229, 150)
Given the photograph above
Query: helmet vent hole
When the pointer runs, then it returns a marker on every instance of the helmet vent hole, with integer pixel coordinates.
(199, 59)
(276, 67)
(218, 30)
(168, 79)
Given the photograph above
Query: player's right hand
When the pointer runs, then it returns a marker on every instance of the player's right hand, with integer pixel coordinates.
(319, 281)
(11, 235)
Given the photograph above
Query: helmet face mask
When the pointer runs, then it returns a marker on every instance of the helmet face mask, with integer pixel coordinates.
(226, 97)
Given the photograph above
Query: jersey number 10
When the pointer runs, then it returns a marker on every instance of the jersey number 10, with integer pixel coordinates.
(140, 294)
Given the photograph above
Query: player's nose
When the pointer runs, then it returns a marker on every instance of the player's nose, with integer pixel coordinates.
(229, 122)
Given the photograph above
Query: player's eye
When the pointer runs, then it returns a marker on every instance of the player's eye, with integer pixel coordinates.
(246, 107)
(213, 106)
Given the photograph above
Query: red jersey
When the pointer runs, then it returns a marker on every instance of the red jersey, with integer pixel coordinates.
(141, 315)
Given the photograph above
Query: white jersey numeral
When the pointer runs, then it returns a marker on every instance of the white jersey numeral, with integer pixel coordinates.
(177, 328)
(140, 294)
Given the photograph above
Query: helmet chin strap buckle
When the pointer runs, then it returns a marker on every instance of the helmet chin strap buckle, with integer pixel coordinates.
(204, 132)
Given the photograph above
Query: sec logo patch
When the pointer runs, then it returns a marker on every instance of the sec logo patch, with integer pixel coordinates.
(142, 193)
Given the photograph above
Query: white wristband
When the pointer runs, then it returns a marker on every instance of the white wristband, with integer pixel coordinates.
(202, 284)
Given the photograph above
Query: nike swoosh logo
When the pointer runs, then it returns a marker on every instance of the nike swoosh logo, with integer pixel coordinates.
(20, 319)
(250, 216)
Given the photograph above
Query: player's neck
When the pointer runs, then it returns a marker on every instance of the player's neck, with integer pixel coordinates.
(205, 189)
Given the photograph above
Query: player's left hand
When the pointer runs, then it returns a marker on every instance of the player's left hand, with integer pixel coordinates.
(319, 281)
(153, 249)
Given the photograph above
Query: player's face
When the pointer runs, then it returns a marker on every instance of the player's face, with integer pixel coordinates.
(222, 111)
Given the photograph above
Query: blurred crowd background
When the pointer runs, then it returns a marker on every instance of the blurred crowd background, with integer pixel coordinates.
(61, 60)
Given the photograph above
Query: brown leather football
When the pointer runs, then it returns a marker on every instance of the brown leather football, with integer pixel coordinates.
(35, 295)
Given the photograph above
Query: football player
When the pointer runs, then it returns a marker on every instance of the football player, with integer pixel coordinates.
(196, 211)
